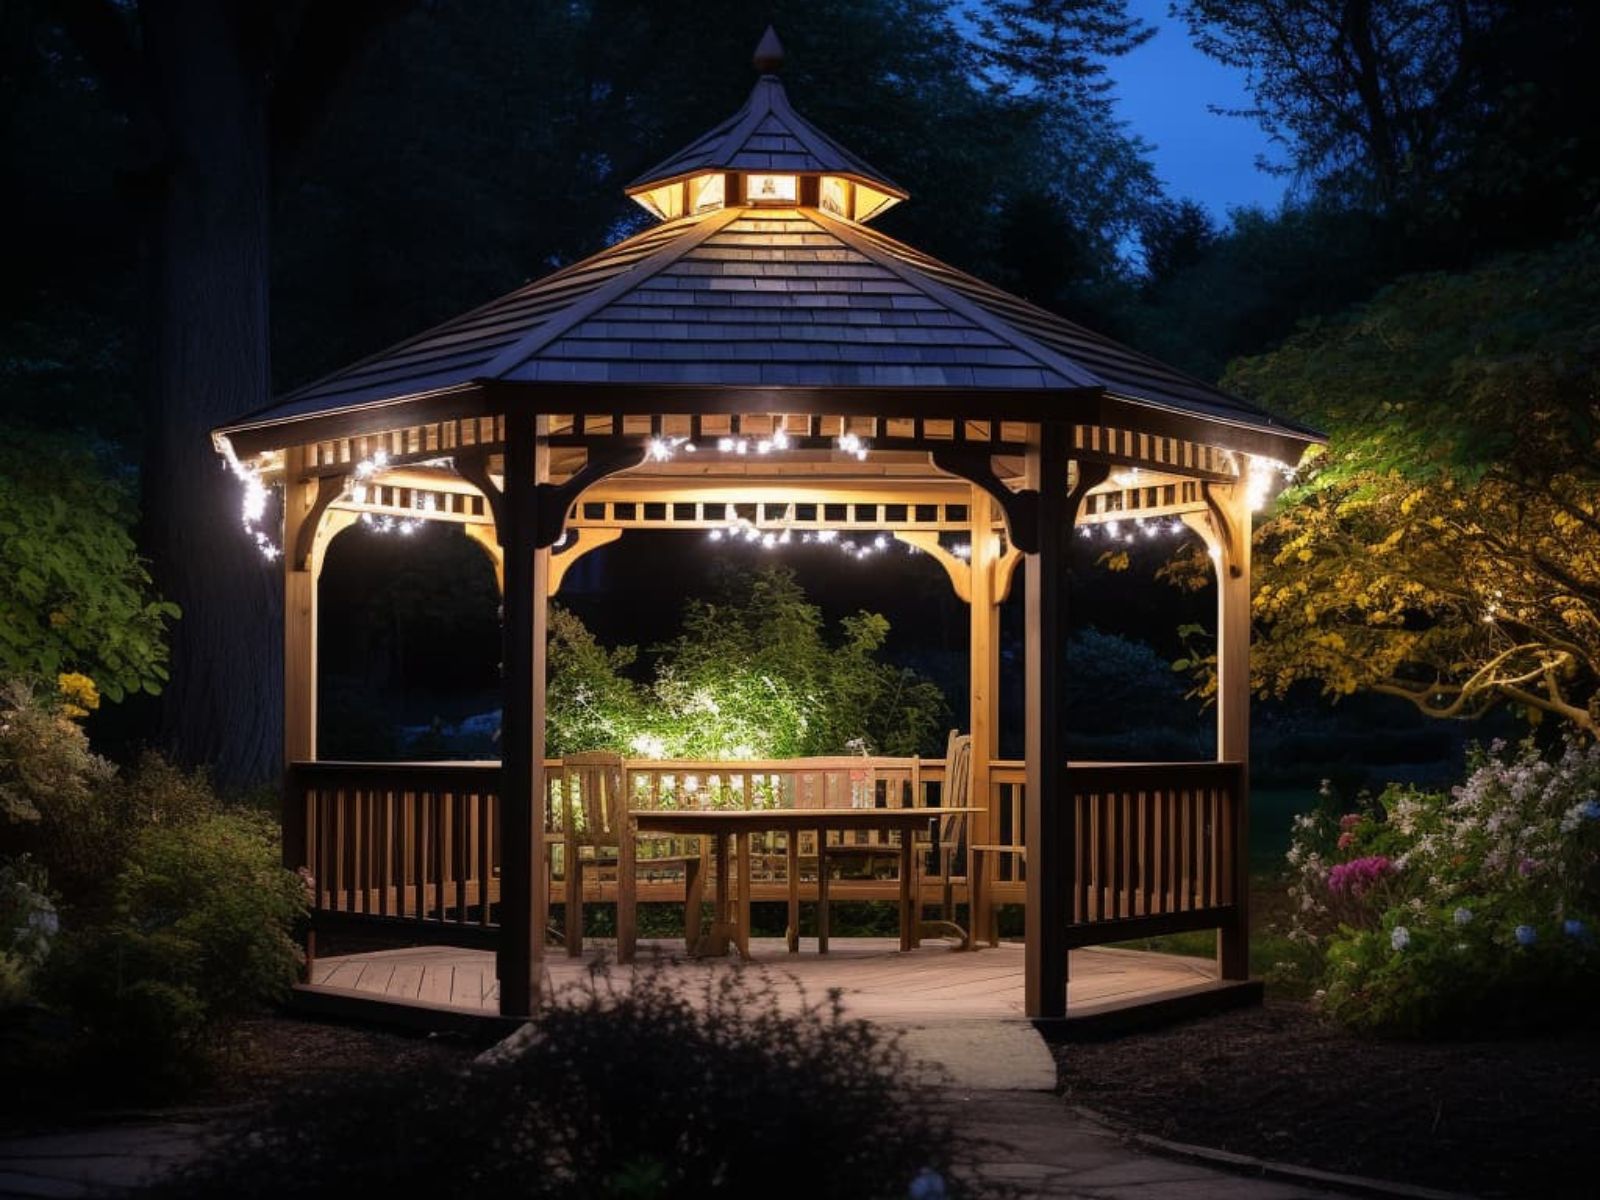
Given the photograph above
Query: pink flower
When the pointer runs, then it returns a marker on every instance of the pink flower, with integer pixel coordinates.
(1527, 867)
(1359, 875)
(1346, 840)
(1349, 821)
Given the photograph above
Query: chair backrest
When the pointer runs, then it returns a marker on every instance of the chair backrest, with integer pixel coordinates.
(592, 797)
(957, 789)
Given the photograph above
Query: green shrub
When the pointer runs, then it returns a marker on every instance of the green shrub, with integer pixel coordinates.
(199, 937)
(1442, 913)
(614, 1092)
(58, 799)
(74, 594)
(28, 928)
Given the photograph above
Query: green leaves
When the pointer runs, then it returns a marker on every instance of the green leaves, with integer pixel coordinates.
(74, 593)
(753, 675)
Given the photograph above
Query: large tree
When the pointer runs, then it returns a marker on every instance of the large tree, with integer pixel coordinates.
(213, 95)
(1465, 112)
(1446, 548)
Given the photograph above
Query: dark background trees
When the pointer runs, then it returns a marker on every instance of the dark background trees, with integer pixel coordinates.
(216, 201)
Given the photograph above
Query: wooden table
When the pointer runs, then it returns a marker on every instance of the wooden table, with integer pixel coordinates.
(731, 913)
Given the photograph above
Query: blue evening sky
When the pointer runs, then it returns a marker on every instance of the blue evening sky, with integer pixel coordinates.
(1163, 91)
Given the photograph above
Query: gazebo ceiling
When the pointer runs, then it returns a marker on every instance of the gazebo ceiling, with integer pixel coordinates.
(773, 307)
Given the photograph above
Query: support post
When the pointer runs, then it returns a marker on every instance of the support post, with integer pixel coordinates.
(1231, 508)
(522, 789)
(983, 668)
(1048, 824)
(299, 652)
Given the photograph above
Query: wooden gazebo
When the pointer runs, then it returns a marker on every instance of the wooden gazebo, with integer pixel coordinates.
(760, 358)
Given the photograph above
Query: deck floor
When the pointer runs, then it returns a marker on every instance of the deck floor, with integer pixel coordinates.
(878, 981)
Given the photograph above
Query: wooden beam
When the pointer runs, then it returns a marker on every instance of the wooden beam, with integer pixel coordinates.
(303, 506)
(1226, 529)
(527, 568)
(1049, 884)
(1048, 818)
(983, 670)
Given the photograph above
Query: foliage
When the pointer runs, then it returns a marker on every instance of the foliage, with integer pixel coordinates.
(166, 916)
(57, 797)
(74, 594)
(1446, 548)
(1059, 45)
(28, 928)
(752, 675)
(1125, 703)
(616, 1090)
(1462, 115)
(590, 703)
(1435, 913)
(199, 937)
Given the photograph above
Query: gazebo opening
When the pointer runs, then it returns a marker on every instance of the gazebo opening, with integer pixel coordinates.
(761, 366)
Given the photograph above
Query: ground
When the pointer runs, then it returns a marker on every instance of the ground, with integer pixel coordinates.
(1509, 1118)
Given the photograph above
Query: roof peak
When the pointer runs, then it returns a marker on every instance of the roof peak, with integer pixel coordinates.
(768, 57)
(765, 149)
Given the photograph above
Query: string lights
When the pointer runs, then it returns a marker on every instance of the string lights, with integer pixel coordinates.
(1131, 532)
(743, 532)
(253, 503)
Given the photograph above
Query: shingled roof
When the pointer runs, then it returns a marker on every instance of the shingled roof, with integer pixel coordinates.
(749, 296)
(769, 298)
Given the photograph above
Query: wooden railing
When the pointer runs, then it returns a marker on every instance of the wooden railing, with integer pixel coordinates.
(1151, 847)
(413, 845)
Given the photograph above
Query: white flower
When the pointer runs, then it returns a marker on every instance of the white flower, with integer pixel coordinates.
(1400, 937)
(1463, 916)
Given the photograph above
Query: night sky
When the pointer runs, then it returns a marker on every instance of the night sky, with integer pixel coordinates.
(1164, 91)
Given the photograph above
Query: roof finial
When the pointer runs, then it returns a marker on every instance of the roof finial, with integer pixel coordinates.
(769, 53)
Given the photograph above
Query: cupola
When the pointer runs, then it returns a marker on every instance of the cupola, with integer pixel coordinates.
(766, 154)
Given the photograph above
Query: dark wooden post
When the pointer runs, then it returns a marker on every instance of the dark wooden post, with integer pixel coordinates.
(1047, 820)
(525, 623)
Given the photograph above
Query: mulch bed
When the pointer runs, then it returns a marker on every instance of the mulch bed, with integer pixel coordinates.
(275, 1051)
(1490, 1118)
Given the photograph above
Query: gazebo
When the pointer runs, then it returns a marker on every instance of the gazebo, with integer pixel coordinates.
(762, 363)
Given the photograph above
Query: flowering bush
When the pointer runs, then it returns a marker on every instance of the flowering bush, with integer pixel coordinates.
(1437, 912)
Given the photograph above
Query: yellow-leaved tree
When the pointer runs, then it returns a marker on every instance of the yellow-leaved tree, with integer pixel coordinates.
(1445, 546)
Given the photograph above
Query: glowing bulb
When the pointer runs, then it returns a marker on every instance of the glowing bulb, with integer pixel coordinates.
(725, 444)
(962, 550)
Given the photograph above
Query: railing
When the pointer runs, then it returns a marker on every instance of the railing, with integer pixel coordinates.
(408, 844)
(1153, 848)
(1150, 848)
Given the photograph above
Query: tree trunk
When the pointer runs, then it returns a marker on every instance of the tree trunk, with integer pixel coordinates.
(207, 256)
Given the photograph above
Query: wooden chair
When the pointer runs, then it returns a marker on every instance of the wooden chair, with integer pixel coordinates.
(983, 864)
(956, 793)
(952, 833)
(595, 833)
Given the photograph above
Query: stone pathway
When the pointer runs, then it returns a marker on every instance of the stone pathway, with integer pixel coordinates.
(996, 1075)
(1031, 1142)
(94, 1162)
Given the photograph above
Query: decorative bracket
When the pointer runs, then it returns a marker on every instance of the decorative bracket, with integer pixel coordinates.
(959, 570)
(1223, 529)
(473, 466)
(329, 489)
(552, 501)
(1021, 509)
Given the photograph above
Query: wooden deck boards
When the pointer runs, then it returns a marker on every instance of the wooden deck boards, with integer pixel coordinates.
(878, 981)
